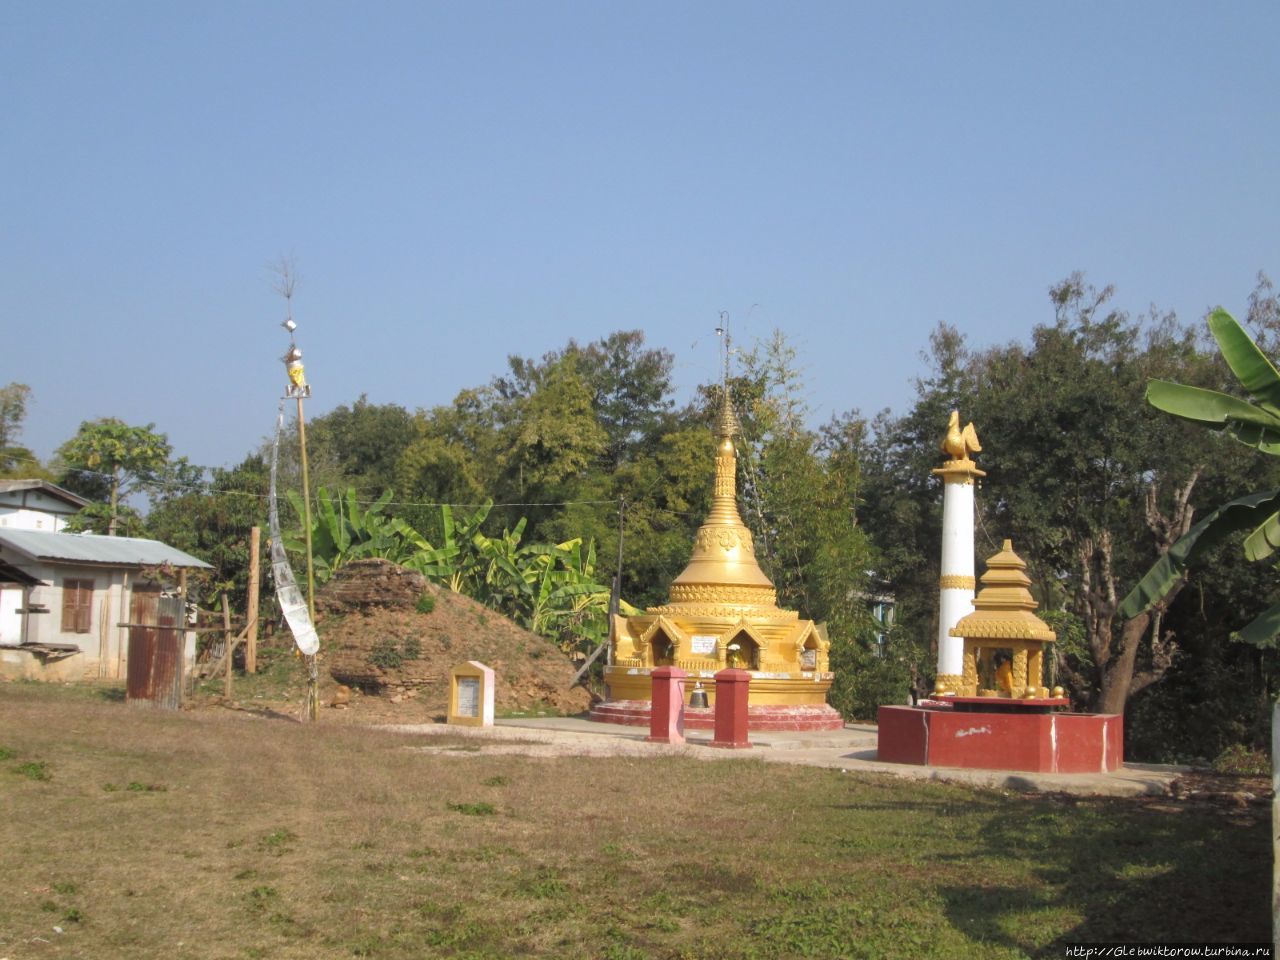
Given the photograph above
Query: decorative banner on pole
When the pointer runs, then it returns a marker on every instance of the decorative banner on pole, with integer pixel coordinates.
(292, 603)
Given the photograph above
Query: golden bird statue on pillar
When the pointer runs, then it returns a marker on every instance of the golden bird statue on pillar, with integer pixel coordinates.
(960, 443)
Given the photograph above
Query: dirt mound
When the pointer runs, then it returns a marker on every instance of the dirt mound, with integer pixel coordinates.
(388, 630)
(371, 583)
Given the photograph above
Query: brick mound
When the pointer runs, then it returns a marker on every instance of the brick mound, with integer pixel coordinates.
(380, 642)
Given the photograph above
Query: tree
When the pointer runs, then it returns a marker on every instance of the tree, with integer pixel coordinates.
(801, 489)
(15, 460)
(1089, 485)
(1090, 489)
(552, 440)
(629, 386)
(360, 445)
(631, 391)
(108, 459)
(214, 523)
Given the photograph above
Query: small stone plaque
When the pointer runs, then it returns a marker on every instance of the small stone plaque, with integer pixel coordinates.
(468, 696)
(809, 660)
(702, 643)
(471, 695)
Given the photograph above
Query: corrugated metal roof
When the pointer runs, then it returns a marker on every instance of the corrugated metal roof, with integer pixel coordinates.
(11, 574)
(44, 486)
(91, 548)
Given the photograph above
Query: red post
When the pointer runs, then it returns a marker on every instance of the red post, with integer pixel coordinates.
(666, 706)
(731, 709)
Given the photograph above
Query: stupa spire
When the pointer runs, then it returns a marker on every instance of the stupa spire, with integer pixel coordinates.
(723, 568)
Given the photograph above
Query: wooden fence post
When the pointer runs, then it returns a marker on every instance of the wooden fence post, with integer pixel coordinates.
(251, 643)
(227, 642)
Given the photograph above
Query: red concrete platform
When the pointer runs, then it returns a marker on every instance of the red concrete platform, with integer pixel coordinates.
(1046, 742)
(635, 713)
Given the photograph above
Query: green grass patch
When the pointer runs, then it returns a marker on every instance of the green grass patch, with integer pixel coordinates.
(481, 809)
(34, 770)
(295, 841)
(136, 786)
(278, 841)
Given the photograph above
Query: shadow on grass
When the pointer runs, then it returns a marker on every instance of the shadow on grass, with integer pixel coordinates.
(110, 694)
(265, 713)
(1133, 874)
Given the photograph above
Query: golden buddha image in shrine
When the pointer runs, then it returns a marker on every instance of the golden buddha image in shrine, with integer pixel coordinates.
(1004, 641)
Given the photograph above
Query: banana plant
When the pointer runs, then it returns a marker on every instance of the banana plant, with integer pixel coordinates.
(342, 530)
(1255, 422)
(549, 589)
(453, 563)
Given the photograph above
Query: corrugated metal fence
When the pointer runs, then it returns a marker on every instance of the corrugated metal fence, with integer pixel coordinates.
(155, 650)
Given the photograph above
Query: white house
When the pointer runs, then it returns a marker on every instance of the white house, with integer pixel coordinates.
(36, 505)
(64, 596)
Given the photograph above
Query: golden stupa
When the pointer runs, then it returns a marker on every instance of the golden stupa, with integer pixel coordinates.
(723, 612)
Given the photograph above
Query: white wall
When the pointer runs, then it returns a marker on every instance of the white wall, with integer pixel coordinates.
(10, 619)
(104, 649)
(34, 510)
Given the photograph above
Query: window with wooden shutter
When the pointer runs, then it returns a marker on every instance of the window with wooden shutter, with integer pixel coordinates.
(77, 605)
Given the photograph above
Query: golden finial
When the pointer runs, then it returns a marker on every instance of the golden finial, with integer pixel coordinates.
(727, 424)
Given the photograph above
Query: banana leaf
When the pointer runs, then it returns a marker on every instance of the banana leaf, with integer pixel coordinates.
(1216, 410)
(1264, 540)
(1264, 629)
(1240, 514)
(1250, 365)
(1241, 420)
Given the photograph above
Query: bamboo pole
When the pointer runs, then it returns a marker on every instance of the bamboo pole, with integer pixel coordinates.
(306, 512)
(312, 706)
(182, 634)
(122, 639)
(227, 643)
(104, 630)
(251, 644)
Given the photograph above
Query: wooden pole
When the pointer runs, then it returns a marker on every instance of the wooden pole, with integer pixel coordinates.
(227, 642)
(312, 705)
(182, 632)
(306, 512)
(122, 640)
(251, 644)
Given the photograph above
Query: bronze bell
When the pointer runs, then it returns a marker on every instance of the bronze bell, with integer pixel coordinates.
(698, 699)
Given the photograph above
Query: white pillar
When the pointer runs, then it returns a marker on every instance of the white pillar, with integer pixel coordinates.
(957, 585)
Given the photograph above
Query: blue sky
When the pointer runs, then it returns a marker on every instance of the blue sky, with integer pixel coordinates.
(458, 182)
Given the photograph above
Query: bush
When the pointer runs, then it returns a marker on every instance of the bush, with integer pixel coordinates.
(426, 603)
(386, 655)
(864, 681)
(1242, 761)
(389, 655)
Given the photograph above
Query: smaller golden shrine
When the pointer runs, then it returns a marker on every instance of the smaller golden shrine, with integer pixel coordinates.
(1003, 638)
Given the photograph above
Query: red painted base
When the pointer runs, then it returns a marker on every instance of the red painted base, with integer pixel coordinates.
(635, 713)
(1038, 742)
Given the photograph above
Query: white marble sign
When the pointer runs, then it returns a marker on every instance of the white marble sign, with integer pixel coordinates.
(703, 643)
(468, 696)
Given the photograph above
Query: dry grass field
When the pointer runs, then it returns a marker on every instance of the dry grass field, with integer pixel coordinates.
(126, 832)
